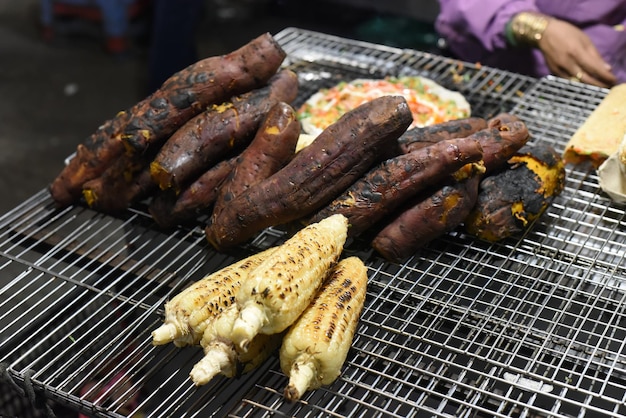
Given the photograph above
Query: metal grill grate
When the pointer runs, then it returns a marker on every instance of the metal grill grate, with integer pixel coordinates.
(530, 326)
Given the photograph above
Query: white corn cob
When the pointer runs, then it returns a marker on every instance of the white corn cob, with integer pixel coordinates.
(223, 357)
(187, 313)
(315, 347)
(281, 287)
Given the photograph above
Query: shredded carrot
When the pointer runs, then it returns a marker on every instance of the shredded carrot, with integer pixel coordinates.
(427, 107)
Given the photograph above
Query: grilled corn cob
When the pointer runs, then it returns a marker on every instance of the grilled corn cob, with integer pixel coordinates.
(281, 287)
(316, 345)
(187, 313)
(223, 357)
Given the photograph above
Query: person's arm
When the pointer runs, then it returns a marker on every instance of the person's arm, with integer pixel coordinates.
(568, 51)
(474, 28)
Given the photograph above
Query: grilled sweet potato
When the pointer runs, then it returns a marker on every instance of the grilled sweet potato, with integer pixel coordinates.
(500, 136)
(272, 147)
(169, 208)
(125, 182)
(337, 157)
(500, 142)
(510, 200)
(209, 81)
(222, 129)
(435, 212)
(153, 119)
(429, 215)
(501, 118)
(424, 136)
(93, 156)
(385, 187)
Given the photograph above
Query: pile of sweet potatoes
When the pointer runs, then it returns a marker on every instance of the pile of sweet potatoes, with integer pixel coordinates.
(140, 130)
(219, 141)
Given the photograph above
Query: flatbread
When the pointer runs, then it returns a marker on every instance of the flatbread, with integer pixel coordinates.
(429, 102)
(601, 133)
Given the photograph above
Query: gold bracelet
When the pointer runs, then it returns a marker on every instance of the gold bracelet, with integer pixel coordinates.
(528, 28)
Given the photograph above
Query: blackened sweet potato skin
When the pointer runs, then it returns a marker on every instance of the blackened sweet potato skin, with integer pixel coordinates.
(422, 137)
(318, 173)
(426, 217)
(220, 130)
(500, 141)
(92, 158)
(273, 146)
(502, 118)
(123, 183)
(153, 119)
(169, 209)
(511, 199)
(209, 81)
(385, 187)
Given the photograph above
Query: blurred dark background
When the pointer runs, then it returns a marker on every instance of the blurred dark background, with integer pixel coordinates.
(62, 74)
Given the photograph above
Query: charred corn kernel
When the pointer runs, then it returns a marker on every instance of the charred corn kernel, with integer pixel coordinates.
(279, 289)
(187, 313)
(222, 357)
(316, 345)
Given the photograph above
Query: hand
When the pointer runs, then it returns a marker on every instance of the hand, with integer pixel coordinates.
(570, 54)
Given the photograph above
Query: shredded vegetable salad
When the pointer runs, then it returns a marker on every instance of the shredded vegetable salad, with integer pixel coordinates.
(429, 102)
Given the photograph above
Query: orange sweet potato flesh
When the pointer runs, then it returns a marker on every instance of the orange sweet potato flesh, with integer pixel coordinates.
(511, 199)
(318, 173)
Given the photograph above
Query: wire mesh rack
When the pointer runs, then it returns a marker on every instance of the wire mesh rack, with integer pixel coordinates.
(530, 326)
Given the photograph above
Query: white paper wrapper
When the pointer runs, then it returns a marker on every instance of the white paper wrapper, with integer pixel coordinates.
(612, 174)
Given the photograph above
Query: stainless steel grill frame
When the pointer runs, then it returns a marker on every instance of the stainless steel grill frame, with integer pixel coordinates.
(532, 326)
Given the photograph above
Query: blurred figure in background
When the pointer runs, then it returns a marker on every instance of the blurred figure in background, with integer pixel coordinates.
(173, 44)
(582, 40)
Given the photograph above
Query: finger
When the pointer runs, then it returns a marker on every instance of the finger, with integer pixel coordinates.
(596, 68)
(589, 79)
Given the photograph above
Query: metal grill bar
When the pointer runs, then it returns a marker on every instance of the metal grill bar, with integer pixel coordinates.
(530, 326)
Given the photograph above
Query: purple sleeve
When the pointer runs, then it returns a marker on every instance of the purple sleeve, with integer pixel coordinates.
(472, 28)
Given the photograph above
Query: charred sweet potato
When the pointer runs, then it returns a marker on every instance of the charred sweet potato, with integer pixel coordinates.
(212, 80)
(272, 147)
(510, 200)
(385, 187)
(318, 173)
(123, 183)
(502, 118)
(500, 142)
(429, 215)
(153, 119)
(421, 137)
(221, 129)
(500, 137)
(92, 158)
(169, 208)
